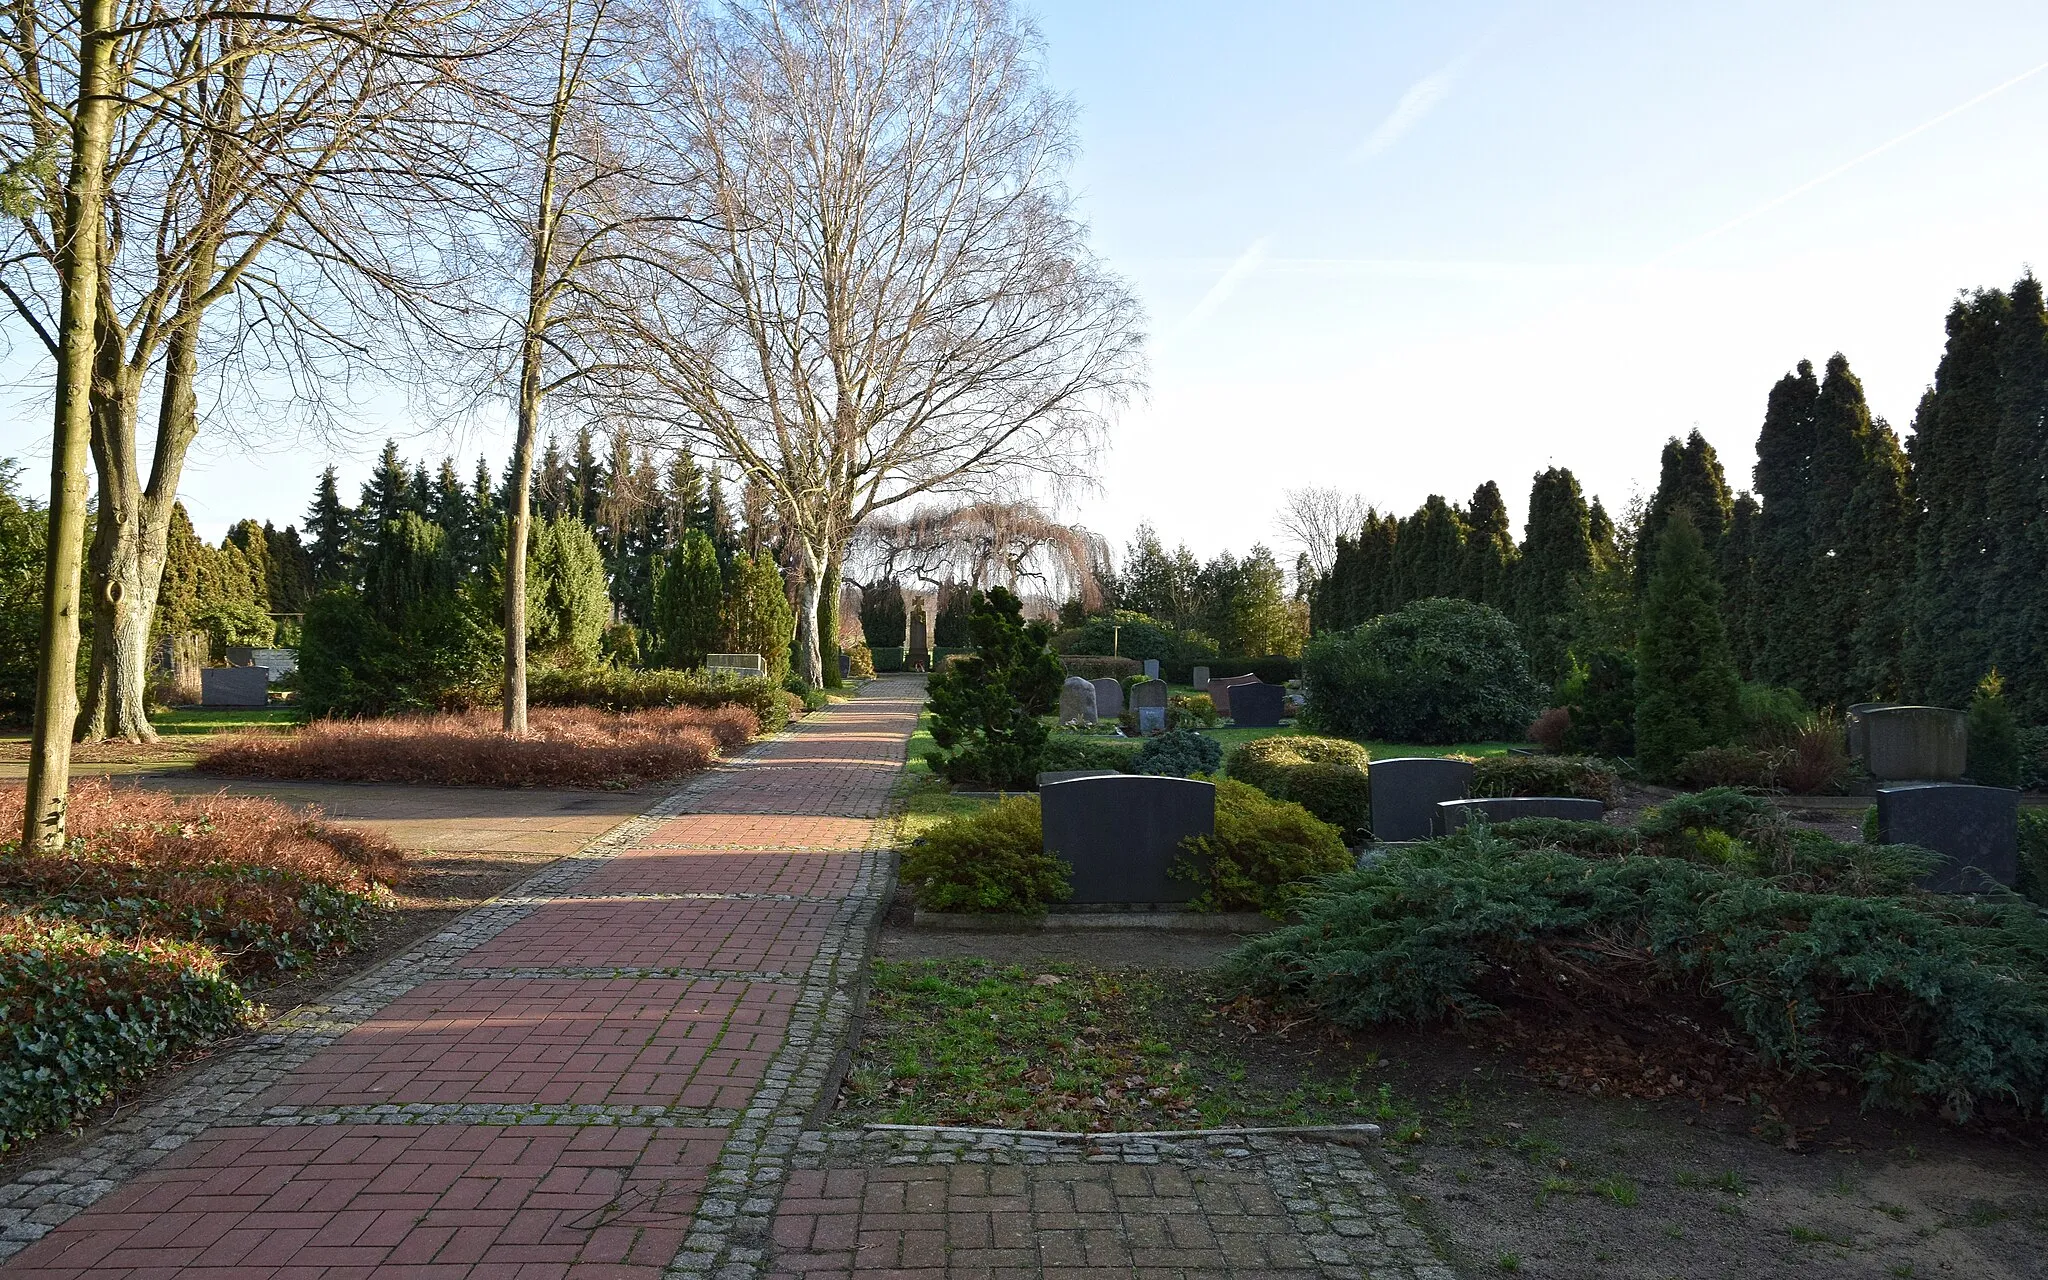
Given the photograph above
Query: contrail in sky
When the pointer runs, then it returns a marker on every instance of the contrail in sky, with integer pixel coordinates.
(1847, 165)
(1226, 284)
(1422, 96)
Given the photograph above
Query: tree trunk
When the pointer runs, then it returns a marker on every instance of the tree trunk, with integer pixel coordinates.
(828, 623)
(123, 592)
(807, 615)
(78, 269)
(518, 525)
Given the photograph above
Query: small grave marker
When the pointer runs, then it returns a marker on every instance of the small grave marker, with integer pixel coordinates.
(1148, 699)
(1109, 698)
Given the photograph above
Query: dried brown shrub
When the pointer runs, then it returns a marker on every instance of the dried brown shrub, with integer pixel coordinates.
(1549, 729)
(566, 747)
(1817, 762)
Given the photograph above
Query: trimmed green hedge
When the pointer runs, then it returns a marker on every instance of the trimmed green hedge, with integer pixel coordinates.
(625, 689)
(888, 658)
(1095, 667)
(86, 1014)
(1326, 776)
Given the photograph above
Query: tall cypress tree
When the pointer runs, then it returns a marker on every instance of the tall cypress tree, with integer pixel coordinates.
(1488, 571)
(2016, 488)
(1429, 551)
(327, 522)
(1556, 561)
(1686, 687)
(1955, 432)
(1783, 477)
(1689, 476)
(688, 597)
(1739, 603)
(291, 570)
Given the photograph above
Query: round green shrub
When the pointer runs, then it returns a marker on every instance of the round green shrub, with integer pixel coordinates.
(1437, 671)
(1339, 794)
(1326, 776)
(1068, 751)
(1179, 753)
(1263, 854)
(990, 861)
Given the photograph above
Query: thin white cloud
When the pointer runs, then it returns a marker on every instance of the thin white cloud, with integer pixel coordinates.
(1847, 165)
(1246, 265)
(1419, 101)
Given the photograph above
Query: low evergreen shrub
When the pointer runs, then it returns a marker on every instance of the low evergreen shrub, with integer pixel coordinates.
(1178, 753)
(1512, 775)
(888, 658)
(86, 1013)
(1587, 839)
(1095, 667)
(616, 689)
(990, 861)
(1326, 776)
(1191, 711)
(2033, 877)
(1263, 855)
(861, 664)
(1069, 751)
(1728, 767)
(1922, 999)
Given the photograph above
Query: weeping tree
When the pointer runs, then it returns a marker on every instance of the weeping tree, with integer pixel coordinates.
(1010, 544)
(876, 285)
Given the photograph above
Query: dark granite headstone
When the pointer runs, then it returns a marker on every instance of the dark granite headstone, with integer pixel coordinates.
(1976, 828)
(1257, 705)
(1121, 833)
(1148, 700)
(1453, 814)
(1407, 789)
(1109, 698)
(234, 686)
(1068, 775)
(845, 666)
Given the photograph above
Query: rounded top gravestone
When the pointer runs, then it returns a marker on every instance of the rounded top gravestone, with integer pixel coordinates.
(1077, 701)
(1109, 698)
(1219, 691)
(1122, 833)
(1257, 705)
(1406, 791)
(1148, 699)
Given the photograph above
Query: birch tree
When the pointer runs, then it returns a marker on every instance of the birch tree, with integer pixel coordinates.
(879, 287)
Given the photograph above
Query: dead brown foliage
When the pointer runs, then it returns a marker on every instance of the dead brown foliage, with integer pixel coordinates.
(566, 747)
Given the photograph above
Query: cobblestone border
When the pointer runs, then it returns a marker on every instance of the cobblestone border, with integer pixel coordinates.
(1338, 1200)
(43, 1197)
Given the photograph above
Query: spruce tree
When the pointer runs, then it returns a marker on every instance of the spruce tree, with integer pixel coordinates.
(386, 496)
(586, 479)
(450, 508)
(1488, 571)
(419, 491)
(718, 517)
(688, 505)
(758, 618)
(568, 605)
(552, 496)
(688, 602)
(328, 524)
(1556, 561)
(1687, 691)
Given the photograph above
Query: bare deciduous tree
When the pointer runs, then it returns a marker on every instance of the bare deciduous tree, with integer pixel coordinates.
(880, 289)
(984, 544)
(1315, 518)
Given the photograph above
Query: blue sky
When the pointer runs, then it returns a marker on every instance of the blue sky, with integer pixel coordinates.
(1402, 249)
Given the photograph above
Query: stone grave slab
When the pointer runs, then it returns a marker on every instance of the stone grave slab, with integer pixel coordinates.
(845, 666)
(1121, 833)
(1151, 668)
(739, 664)
(1109, 698)
(1077, 701)
(1915, 744)
(234, 686)
(1219, 691)
(1406, 791)
(1852, 723)
(1148, 699)
(1257, 705)
(1976, 828)
(1453, 814)
(1200, 680)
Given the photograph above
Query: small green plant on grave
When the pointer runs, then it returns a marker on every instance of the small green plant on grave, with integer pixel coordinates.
(1620, 1189)
(989, 861)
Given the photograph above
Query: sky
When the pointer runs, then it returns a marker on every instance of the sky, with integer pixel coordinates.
(1401, 249)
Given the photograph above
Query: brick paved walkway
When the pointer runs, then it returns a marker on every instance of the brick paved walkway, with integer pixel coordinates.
(580, 1079)
(616, 1071)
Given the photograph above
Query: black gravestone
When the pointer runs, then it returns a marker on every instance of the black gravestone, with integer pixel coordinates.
(1453, 814)
(1976, 828)
(1406, 790)
(1068, 775)
(1257, 706)
(845, 666)
(1121, 833)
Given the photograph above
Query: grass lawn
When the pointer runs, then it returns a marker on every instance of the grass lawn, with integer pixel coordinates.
(225, 719)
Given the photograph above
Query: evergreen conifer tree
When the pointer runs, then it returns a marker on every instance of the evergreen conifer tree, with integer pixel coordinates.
(1994, 752)
(419, 491)
(758, 618)
(552, 496)
(586, 479)
(1429, 551)
(684, 497)
(1557, 559)
(1739, 604)
(1783, 552)
(1687, 691)
(718, 517)
(386, 496)
(291, 570)
(688, 603)
(450, 508)
(1689, 476)
(568, 605)
(328, 524)
(2016, 505)
(1488, 571)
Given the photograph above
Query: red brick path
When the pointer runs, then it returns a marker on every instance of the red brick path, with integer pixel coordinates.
(744, 885)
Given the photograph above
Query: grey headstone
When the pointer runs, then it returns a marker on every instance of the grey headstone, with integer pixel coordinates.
(1453, 814)
(1109, 698)
(845, 666)
(1120, 834)
(1077, 701)
(1148, 699)
(1201, 680)
(282, 662)
(1051, 776)
(1915, 744)
(1151, 668)
(1853, 723)
(1257, 705)
(1976, 828)
(1219, 691)
(1406, 791)
(234, 686)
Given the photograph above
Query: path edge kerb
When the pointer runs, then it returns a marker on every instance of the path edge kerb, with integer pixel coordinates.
(43, 1196)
